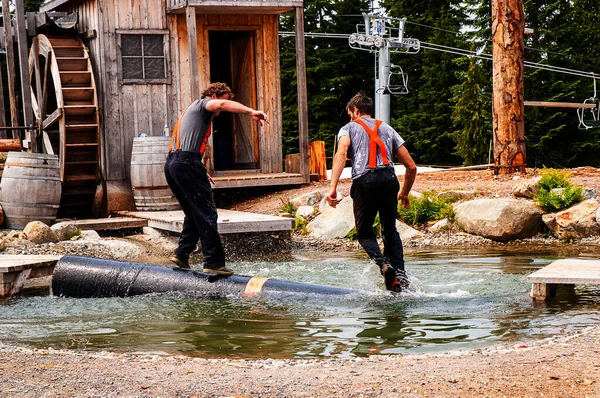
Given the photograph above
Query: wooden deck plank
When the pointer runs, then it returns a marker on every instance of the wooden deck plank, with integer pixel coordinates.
(111, 223)
(13, 263)
(568, 271)
(229, 221)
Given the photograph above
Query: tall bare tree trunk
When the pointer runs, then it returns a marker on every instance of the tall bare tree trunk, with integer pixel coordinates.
(508, 24)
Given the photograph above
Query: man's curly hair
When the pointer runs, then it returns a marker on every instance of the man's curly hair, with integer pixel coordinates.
(217, 88)
(362, 102)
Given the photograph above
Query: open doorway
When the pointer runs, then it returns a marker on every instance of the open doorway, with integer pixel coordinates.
(235, 136)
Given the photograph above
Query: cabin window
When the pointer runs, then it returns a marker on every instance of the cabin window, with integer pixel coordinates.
(143, 58)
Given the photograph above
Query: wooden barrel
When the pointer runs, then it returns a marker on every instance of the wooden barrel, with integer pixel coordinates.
(150, 189)
(30, 188)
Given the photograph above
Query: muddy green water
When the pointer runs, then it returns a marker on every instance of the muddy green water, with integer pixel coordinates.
(460, 300)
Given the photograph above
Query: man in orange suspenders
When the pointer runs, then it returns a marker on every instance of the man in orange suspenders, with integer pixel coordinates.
(188, 179)
(370, 145)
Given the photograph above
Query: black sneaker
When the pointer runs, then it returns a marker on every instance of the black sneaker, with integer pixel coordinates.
(219, 271)
(181, 263)
(402, 279)
(389, 275)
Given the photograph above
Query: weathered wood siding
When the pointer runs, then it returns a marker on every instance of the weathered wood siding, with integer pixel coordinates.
(127, 109)
(267, 71)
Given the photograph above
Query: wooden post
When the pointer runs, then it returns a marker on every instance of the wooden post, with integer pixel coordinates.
(190, 16)
(302, 94)
(25, 82)
(10, 66)
(317, 159)
(508, 24)
(2, 114)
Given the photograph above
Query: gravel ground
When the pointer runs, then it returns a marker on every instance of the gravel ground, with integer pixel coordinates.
(566, 365)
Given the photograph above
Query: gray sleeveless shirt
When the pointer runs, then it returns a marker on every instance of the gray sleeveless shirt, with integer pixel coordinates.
(194, 126)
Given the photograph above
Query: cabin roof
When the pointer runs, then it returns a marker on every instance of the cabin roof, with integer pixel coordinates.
(216, 6)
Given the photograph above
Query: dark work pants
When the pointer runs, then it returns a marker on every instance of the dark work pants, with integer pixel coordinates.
(372, 193)
(188, 179)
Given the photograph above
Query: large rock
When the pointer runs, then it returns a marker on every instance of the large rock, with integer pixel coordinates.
(333, 222)
(499, 219)
(65, 230)
(309, 199)
(407, 233)
(576, 222)
(527, 189)
(38, 232)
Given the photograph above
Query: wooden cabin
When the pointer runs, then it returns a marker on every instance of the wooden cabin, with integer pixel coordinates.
(152, 58)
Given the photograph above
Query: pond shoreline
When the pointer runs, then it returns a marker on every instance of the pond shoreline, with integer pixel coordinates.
(563, 365)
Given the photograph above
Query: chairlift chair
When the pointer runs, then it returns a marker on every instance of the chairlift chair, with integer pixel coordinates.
(589, 118)
(396, 82)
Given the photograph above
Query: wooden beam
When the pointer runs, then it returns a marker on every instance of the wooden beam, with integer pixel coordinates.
(47, 144)
(24, 67)
(52, 118)
(302, 93)
(190, 14)
(572, 105)
(10, 62)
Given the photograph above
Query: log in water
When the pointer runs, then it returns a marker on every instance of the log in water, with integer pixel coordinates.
(86, 277)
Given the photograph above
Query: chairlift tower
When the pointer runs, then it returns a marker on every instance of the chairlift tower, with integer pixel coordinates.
(382, 36)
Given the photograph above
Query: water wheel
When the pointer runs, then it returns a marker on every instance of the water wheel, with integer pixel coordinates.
(65, 105)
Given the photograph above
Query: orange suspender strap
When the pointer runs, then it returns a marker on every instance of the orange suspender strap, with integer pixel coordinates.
(177, 137)
(205, 140)
(374, 142)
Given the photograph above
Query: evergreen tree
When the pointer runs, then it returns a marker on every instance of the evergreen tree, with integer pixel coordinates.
(423, 117)
(335, 72)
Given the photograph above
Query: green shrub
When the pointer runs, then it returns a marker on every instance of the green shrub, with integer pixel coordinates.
(553, 178)
(429, 208)
(549, 200)
(553, 201)
(300, 224)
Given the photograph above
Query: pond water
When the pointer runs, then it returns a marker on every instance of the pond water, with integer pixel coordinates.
(459, 300)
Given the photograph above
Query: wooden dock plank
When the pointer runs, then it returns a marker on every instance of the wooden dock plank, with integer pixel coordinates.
(16, 270)
(111, 223)
(12, 263)
(229, 221)
(568, 271)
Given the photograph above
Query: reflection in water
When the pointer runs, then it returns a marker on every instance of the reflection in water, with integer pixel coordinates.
(458, 300)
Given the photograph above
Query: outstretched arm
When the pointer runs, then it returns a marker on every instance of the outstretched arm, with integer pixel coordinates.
(339, 162)
(409, 177)
(220, 105)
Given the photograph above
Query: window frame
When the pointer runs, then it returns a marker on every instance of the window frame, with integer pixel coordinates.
(144, 32)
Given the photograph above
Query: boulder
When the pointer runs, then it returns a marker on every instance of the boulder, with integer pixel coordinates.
(407, 232)
(501, 219)
(65, 230)
(576, 222)
(305, 211)
(333, 222)
(526, 189)
(309, 199)
(90, 234)
(441, 225)
(38, 232)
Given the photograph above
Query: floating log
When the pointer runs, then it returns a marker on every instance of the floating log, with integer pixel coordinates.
(86, 277)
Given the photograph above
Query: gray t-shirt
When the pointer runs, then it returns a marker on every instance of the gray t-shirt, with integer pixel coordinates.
(360, 141)
(194, 126)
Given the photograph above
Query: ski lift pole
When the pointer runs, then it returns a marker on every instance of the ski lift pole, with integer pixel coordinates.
(383, 100)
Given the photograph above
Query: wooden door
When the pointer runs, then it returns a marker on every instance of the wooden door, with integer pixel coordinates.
(243, 76)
